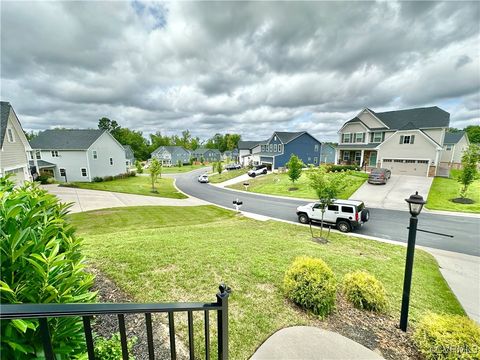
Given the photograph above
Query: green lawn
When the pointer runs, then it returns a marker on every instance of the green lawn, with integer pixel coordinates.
(177, 169)
(444, 189)
(226, 175)
(140, 185)
(280, 184)
(159, 254)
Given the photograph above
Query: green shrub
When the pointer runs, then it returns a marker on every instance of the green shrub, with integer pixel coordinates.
(132, 174)
(107, 178)
(337, 168)
(364, 291)
(111, 349)
(41, 262)
(448, 337)
(42, 179)
(311, 284)
(97, 179)
(50, 180)
(139, 167)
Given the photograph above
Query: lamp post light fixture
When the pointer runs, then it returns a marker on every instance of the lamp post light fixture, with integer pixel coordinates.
(415, 204)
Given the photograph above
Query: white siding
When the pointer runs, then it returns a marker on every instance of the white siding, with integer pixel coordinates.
(370, 120)
(422, 148)
(436, 134)
(70, 160)
(106, 147)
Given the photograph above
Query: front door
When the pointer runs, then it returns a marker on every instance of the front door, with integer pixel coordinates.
(373, 159)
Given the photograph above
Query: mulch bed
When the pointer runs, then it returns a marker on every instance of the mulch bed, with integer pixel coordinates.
(462, 201)
(106, 325)
(377, 332)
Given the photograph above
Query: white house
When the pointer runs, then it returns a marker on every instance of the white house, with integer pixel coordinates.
(78, 154)
(14, 146)
(405, 141)
(454, 144)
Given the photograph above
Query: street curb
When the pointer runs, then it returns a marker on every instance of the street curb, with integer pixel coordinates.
(265, 195)
(451, 213)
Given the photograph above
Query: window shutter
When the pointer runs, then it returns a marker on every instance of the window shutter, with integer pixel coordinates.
(412, 139)
(401, 139)
(383, 136)
(363, 137)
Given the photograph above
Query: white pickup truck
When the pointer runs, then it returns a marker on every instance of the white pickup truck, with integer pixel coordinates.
(346, 215)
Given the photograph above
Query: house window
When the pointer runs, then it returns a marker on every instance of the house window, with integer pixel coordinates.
(346, 155)
(271, 147)
(358, 157)
(263, 148)
(359, 137)
(94, 154)
(315, 160)
(448, 147)
(83, 171)
(275, 148)
(63, 172)
(31, 155)
(10, 135)
(316, 148)
(377, 137)
(38, 154)
(55, 153)
(407, 139)
(347, 138)
(279, 147)
(111, 161)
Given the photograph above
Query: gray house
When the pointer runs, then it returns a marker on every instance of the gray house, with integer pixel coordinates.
(208, 155)
(78, 154)
(454, 144)
(171, 155)
(14, 146)
(129, 156)
(231, 155)
(328, 154)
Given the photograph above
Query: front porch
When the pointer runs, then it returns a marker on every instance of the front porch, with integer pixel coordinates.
(367, 159)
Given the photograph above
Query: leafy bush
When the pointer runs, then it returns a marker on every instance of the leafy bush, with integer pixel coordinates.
(111, 349)
(311, 284)
(107, 178)
(132, 174)
(337, 168)
(41, 262)
(42, 179)
(448, 337)
(50, 180)
(364, 291)
(139, 167)
(97, 179)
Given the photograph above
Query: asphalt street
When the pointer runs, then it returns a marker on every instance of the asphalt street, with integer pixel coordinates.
(386, 224)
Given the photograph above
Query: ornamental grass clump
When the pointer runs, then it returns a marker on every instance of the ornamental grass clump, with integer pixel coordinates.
(448, 337)
(310, 283)
(364, 291)
(41, 262)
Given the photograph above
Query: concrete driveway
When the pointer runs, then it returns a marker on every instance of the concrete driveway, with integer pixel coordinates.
(85, 200)
(393, 194)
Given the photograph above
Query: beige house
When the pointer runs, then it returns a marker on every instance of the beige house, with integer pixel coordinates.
(405, 141)
(454, 144)
(14, 146)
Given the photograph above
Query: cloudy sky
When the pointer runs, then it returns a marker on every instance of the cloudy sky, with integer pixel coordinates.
(250, 68)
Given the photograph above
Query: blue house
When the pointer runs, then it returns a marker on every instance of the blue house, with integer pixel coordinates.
(276, 151)
(328, 154)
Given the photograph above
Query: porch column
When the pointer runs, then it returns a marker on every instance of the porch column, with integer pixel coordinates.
(361, 158)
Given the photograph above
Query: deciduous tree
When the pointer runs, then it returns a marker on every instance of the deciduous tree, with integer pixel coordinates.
(155, 169)
(294, 166)
(469, 172)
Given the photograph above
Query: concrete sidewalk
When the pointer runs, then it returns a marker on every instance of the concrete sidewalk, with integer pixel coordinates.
(85, 200)
(309, 343)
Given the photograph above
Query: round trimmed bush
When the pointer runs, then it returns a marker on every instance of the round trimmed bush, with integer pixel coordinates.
(364, 291)
(448, 337)
(310, 283)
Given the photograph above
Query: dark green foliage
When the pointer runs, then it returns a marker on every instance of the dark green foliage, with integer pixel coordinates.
(42, 179)
(336, 168)
(111, 349)
(219, 167)
(41, 262)
(139, 167)
(364, 291)
(294, 166)
(448, 337)
(155, 169)
(97, 179)
(473, 133)
(310, 283)
(223, 142)
(469, 172)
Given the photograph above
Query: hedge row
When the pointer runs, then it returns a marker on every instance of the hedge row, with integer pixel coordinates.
(116, 177)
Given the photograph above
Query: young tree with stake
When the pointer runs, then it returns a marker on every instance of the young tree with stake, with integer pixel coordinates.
(469, 173)
(294, 166)
(155, 171)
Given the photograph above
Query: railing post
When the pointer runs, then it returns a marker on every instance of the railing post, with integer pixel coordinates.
(222, 321)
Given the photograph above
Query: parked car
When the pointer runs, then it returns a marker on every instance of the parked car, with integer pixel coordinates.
(379, 176)
(258, 170)
(233, 167)
(203, 178)
(346, 215)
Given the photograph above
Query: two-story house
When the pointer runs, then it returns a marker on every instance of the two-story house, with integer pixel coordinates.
(246, 151)
(277, 150)
(230, 155)
(171, 155)
(208, 155)
(14, 146)
(405, 141)
(77, 154)
(454, 144)
(129, 156)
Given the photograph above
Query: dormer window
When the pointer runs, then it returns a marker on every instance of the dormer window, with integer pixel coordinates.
(346, 138)
(359, 137)
(10, 135)
(377, 137)
(407, 139)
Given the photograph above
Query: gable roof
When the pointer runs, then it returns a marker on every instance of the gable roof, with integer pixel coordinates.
(66, 139)
(128, 152)
(202, 150)
(170, 148)
(4, 112)
(285, 137)
(453, 137)
(418, 118)
(247, 145)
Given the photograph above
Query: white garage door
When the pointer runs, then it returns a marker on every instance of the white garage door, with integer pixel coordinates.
(16, 175)
(406, 166)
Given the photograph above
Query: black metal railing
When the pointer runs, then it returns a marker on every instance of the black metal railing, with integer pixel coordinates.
(44, 311)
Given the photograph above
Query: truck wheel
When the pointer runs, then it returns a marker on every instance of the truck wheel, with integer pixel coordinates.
(365, 215)
(303, 219)
(344, 226)
(253, 175)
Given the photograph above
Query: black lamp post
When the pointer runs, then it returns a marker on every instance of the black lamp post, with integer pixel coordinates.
(415, 204)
